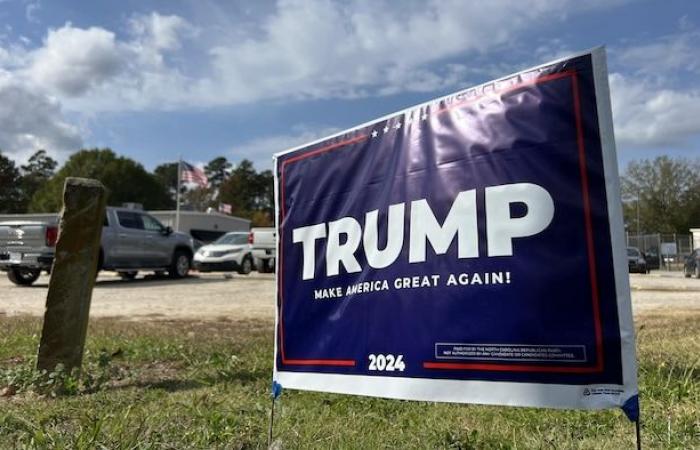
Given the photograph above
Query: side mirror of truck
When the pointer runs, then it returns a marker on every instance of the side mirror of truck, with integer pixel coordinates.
(167, 231)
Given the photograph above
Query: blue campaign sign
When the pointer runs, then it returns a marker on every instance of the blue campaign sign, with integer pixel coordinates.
(469, 249)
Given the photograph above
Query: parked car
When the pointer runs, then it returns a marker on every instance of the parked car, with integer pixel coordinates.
(692, 264)
(651, 256)
(231, 252)
(264, 242)
(132, 240)
(636, 261)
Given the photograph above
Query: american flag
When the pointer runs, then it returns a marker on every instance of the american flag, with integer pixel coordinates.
(193, 174)
(225, 208)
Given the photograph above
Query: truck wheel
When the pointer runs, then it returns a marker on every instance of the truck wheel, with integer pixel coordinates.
(23, 277)
(128, 275)
(246, 266)
(181, 264)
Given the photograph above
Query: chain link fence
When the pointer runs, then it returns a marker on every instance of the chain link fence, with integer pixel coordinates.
(665, 251)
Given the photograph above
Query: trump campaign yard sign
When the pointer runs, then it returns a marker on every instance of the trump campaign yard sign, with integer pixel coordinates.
(469, 249)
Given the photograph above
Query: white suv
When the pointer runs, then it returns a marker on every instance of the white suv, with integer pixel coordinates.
(231, 252)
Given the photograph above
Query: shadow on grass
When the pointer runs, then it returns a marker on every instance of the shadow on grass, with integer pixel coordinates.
(198, 381)
(168, 385)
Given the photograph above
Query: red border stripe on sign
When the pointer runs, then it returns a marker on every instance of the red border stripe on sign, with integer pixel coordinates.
(598, 367)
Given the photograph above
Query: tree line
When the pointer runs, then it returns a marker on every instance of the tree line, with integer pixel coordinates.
(659, 196)
(38, 185)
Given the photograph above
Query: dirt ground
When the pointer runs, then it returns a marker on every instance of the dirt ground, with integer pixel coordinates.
(215, 297)
(201, 296)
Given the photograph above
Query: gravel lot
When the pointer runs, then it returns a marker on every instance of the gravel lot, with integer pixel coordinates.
(203, 296)
(215, 297)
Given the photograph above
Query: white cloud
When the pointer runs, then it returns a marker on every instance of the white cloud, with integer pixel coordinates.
(83, 70)
(674, 52)
(260, 151)
(328, 49)
(154, 35)
(31, 121)
(92, 70)
(73, 60)
(323, 49)
(30, 11)
(301, 49)
(161, 32)
(646, 115)
(655, 97)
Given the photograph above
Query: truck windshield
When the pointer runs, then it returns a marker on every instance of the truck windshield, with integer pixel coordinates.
(233, 239)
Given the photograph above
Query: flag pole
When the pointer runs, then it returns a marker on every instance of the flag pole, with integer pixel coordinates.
(177, 205)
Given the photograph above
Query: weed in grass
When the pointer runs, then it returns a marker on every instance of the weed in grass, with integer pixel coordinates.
(24, 377)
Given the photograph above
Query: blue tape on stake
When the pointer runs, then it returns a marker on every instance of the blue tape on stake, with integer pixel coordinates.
(631, 408)
(276, 390)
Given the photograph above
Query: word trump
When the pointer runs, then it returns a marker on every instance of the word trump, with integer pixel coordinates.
(501, 229)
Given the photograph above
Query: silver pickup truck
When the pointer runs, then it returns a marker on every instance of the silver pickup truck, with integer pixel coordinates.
(132, 240)
(263, 241)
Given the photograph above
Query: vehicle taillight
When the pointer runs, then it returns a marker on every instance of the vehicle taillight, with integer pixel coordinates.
(250, 238)
(51, 236)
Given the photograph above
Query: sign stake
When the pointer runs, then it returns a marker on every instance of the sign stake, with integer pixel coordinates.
(638, 430)
(272, 421)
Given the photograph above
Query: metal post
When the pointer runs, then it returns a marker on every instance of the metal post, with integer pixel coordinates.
(272, 421)
(638, 431)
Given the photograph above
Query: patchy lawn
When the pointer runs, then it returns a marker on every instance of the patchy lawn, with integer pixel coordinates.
(177, 384)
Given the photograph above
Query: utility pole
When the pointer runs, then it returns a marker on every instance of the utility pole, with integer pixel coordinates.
(177, 196)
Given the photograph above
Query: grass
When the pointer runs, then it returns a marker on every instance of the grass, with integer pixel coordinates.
(206, 385)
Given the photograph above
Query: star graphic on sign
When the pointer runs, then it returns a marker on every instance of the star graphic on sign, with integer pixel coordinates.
(386, 129)
(424, 116)
(397, 125)
(374, 133)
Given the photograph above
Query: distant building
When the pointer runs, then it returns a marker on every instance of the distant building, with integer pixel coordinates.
(202, 226)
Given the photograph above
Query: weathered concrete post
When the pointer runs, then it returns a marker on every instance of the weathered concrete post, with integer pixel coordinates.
(72, 275)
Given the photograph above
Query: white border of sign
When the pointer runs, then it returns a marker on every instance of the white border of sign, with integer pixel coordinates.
(594, 396)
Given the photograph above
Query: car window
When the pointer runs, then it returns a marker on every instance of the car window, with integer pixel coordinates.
(151, 223)
(233, 239)
(129, 219)
(632, 252)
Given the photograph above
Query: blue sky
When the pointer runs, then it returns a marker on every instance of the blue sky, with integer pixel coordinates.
(155, 79)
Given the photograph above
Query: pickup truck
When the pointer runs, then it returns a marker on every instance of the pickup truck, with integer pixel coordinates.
(264, 247)
(132, 240)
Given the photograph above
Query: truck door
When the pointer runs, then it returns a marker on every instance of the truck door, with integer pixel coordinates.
(158, 247)
(128, 251)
